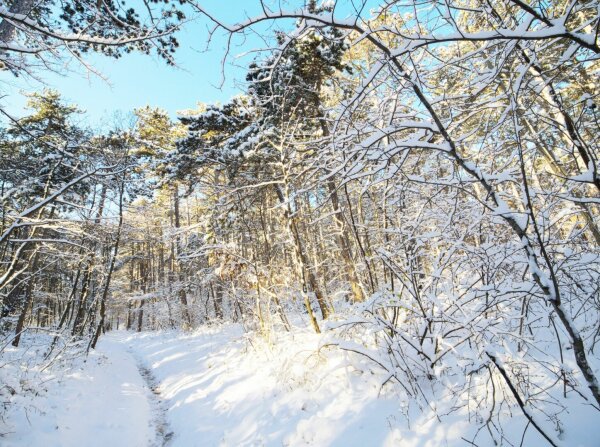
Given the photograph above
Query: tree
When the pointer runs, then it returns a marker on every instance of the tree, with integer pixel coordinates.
(53, 243)
(46, 32)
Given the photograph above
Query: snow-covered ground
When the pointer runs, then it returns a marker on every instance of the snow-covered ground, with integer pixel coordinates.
(226, 389)
(219, 386)
(100, 402)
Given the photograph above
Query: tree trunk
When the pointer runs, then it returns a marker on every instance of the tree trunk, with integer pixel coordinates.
(111, 269)
(187, 319)
(344, 244)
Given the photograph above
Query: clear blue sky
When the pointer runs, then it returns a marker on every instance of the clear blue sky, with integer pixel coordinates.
(136, 80)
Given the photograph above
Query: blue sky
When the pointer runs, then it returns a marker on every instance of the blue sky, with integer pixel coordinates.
(136, 80)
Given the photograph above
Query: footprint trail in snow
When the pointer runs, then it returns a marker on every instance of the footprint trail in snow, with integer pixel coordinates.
(164, 434)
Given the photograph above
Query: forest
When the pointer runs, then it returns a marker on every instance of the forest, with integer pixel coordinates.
(390, 236)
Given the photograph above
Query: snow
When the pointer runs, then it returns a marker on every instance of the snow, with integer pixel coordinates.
(100, 402)
(249, 393)
(222, 386)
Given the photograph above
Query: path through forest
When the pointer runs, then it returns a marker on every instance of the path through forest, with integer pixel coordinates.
(114, 397)
(99, 401)
(159, 421)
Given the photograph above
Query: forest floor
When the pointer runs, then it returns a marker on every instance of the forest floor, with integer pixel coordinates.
(220, 387)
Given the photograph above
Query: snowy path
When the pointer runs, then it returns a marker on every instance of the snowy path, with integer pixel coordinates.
(114, 397)
(217, 387)
(159, 408)
(102, 402)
